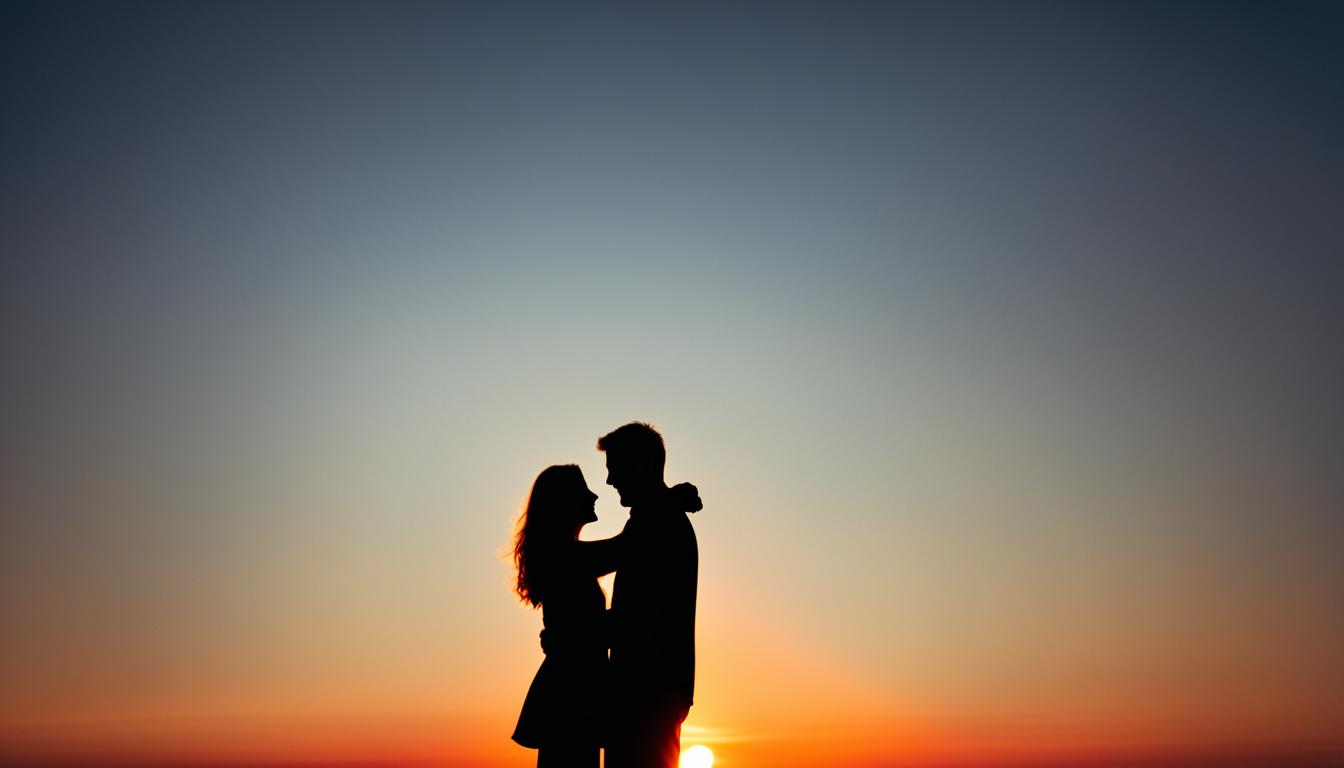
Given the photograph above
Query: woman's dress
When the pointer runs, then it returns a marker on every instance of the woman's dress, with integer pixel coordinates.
(563, 704)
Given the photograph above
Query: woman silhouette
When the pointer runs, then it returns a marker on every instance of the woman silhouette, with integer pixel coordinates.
(561, 716)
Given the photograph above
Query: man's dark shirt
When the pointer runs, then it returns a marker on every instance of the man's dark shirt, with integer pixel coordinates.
(653, 611)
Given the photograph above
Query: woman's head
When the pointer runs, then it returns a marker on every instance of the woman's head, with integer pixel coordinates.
(557, 509)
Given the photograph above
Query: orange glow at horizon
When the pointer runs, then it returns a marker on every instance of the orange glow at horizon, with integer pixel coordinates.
(771, 691)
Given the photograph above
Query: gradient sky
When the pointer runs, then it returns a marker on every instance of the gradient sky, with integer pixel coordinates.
(1002, 341)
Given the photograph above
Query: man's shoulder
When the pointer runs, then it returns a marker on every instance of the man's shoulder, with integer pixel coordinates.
(672, 518)
(682, 520)
(680, 530)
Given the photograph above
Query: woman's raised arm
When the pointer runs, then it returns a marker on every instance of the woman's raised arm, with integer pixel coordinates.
(598, 558)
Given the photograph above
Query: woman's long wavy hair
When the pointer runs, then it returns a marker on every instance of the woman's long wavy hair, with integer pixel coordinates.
(543, 525)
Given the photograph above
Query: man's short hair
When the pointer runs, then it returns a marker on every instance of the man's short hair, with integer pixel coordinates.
(638, 442)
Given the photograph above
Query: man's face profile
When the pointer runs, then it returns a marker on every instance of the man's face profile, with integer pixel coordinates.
(619, 477)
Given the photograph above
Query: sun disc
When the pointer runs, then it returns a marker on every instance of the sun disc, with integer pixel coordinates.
(698, 756)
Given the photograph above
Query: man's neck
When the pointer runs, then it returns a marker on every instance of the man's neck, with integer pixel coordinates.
(650, 500)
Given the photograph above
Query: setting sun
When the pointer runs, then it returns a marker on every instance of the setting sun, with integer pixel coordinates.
(698, 756)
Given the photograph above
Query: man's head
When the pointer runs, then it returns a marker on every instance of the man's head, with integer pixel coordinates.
(635, 458)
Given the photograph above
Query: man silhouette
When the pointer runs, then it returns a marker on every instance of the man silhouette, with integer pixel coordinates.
(652, 606)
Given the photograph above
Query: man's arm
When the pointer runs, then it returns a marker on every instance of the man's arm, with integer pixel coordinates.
(686, 568)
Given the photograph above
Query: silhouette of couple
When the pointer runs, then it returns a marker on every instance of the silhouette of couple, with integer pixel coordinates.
(634, 702)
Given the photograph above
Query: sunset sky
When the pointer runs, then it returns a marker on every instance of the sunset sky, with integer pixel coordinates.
(1001, 339)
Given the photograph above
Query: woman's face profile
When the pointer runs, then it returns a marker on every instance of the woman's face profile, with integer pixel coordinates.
(584, 503)
(581, 502)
